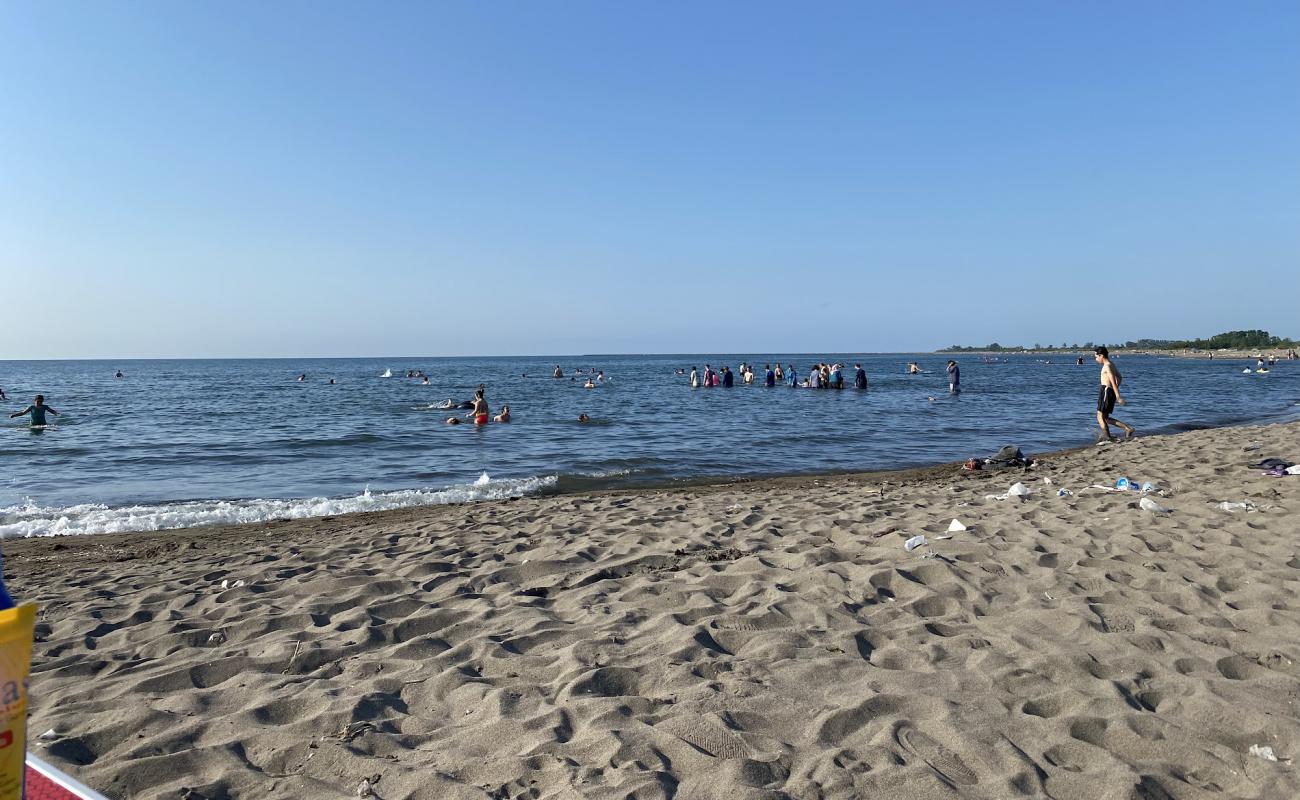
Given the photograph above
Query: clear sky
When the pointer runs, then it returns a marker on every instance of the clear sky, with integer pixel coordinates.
(446, 178)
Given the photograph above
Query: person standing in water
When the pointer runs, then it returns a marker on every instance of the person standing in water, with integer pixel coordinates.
(954, 377)
(559, 373)
(695, 379)
(37, 412)
(859, 377)
(1109, 395)
(481, 411)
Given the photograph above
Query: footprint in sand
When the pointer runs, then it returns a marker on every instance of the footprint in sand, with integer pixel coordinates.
(946, 763)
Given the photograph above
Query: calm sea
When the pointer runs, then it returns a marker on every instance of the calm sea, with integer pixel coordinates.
(178, 443)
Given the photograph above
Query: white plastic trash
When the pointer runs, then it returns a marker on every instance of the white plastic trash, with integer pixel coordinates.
(915, 542)
(1231, 507)
(955, 526)
(1263, 751)
(1019, 490)
(1147, 504)
(1293, 469)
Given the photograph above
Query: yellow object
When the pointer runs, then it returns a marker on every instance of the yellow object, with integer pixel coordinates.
(16, 628)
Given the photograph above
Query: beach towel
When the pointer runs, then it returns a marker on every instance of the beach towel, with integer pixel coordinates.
(47, 783)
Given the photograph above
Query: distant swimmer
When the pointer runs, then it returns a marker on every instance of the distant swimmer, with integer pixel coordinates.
(728, 380)
(791, 375)
(589, 384)
(331, 381)
(913, 368)
(954, 377)
(695, 379)
(769, 375)
(559, 373)
(302, 377)
(600, 377)
(859, 377)
(1108, 395)
(780, 376)
(2, 395)
(481, 411)
(1080, 361)
(453, 420)
(446, 404)
(118, 374)
(584, 418)
(37, 412)
(425, 382)
(504, 416)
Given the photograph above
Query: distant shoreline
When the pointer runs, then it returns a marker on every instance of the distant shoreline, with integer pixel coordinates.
(1226, 355)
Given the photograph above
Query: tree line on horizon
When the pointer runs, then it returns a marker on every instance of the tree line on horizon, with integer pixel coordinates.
(1231, 340)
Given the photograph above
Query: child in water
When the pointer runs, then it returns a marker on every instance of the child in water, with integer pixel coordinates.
(37, 411)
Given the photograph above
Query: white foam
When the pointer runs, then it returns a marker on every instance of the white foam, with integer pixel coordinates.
(31, 519)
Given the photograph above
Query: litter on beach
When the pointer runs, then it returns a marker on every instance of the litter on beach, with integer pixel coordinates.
(1018, 490)
(955, 526)
(1263, 751)
(1230, 507)
(915, 542)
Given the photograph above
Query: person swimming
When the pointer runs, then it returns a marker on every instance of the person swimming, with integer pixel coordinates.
(584, 418)
(913, 368)
(302, 377)
(37, 411)
(504, 416)
(589, 384)
(118, 374)
(559, 373)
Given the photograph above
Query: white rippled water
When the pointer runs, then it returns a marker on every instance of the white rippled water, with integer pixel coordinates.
(34, 520)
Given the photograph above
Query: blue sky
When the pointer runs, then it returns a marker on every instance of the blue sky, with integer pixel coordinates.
(335, 179)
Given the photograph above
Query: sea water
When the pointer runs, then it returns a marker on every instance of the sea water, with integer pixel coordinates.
(181, 443)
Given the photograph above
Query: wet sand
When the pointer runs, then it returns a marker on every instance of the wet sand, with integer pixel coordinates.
(764, 639)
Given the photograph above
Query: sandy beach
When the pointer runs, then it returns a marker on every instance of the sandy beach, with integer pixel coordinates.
(769, 639)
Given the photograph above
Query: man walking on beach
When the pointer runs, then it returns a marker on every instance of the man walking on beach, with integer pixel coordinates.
(1109, 395)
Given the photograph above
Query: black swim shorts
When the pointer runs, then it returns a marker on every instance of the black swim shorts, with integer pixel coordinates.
(1106, 400)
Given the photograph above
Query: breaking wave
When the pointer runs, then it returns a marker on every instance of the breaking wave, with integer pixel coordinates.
(31, 519)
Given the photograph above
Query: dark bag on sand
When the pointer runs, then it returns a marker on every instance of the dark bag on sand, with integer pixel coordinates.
(1008, 456)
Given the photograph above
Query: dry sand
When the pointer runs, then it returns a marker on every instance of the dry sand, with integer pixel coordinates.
(758, 640)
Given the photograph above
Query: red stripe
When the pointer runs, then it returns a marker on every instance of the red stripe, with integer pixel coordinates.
(40, 787)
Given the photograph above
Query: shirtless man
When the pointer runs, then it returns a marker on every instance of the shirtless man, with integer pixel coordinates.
(1109, 395)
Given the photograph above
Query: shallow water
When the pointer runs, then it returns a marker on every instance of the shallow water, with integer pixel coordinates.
(177, 443)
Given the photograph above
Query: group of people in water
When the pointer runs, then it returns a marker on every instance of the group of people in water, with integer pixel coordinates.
(819, 376)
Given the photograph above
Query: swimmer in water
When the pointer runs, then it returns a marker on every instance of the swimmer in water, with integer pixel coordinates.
(302, 377)
(504, 416)
(331, 381)
(913, 369)
(481, 411)
(453, 420)
(559, 373)
(589, 384)
(119, 374)
(584, 418)
(37, 411)
(425, 382)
